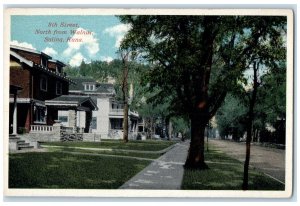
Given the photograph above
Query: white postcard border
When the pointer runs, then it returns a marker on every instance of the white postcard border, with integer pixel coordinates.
(155, 193)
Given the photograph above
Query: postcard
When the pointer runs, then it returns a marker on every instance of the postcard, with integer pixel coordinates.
(148, 102)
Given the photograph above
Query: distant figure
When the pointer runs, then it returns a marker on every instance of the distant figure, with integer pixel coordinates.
(181, 136)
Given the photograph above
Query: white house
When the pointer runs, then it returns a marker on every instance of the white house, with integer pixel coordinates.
(107, 121)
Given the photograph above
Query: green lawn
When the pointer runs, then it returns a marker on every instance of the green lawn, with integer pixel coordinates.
(58, 168)
(148, 145)
(226, 173)
(62, 170)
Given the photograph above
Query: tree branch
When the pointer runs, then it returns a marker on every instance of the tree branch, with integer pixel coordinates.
(217, 104)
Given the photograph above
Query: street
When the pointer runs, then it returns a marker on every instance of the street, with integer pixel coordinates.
(268, 160)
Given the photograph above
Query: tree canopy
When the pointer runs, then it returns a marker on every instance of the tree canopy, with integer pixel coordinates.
(196, 60)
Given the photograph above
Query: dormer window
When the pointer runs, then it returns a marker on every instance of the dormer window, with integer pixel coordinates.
(44, 61)
(58, 69)
(89, 87)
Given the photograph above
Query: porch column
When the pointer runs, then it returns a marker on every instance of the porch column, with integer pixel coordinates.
(135, 126)
(15, 115)
(73, 119)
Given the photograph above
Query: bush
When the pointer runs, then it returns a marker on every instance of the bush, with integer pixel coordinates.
(21, 130)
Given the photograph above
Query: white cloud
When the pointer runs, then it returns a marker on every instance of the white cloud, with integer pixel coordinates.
(22, 44)
(89, 42)
(50, 51)
(77, 59)
(106, 58)
(118, 29)
(118, 32)
(118, 41)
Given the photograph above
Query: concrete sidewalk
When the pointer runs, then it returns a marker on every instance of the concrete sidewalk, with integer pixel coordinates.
(164, 173)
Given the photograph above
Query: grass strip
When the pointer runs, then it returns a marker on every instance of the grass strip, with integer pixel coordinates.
(62, 170)
(113, 152)
(222, 176)
(149, 145)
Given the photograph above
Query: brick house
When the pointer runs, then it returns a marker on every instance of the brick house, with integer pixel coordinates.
(39, 79)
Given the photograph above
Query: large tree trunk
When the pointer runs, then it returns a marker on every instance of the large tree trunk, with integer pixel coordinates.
(249, 126)
(125, 96)
(166, 127)
(200, 84)
(195, 159)
(125, 123)
(247, 160)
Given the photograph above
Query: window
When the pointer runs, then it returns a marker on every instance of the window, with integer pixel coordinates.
(117, 106)
(94, 123)
(58, 88)
(44, 62)
(43, 83)
(40, 114)
(89, 87)
(58, 69)
(63, 118)
(140, 129)
(116, 124)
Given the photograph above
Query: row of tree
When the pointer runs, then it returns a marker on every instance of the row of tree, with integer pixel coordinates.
(269, 121)
(197, 60)
(193, 65)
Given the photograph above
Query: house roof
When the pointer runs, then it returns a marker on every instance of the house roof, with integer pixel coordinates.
(25, 49)
(39, 67)
(72, 101)
(101, 88)
(14, 88)
(57, 62)
(30, 50)
(21, 59)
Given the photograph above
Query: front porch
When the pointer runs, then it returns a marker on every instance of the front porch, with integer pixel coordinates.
(116, 127)
(77, 111)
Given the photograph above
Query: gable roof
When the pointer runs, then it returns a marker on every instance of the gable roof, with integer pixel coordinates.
(21, 59)
(39, 67)
(57, 62)
(71, 100)
(30, 51)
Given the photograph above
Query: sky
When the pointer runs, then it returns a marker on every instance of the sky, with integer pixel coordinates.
(97, 37)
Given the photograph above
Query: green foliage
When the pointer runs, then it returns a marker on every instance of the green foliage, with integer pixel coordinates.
(182, 125)
(272, 95)
(231, 117)
(103, 71)
(269, 56)
(270, 106)
(21, 130)
(71, 71)
(178, 48)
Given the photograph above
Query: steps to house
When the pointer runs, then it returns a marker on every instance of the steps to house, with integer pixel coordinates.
(17, 144)
(14, 138)
(21, 142)
(25, 147)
